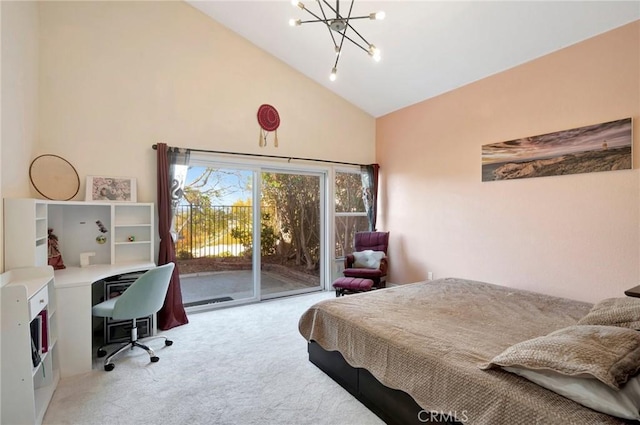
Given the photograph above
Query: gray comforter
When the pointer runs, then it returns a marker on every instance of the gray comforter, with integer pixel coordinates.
(428, 339)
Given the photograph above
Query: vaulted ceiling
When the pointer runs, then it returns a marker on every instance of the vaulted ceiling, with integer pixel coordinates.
(428, 47)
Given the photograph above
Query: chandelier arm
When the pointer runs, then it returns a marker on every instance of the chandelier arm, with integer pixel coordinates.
(330, 7)
(350, 8)
(348, 25)
(319, 19)
(339, 49)
(326, 22)
(338, 15)
(313, 21)
(364, 40)
(359, 17)
(366, 49)
(324, 15)
(333, 38)
(344, 31)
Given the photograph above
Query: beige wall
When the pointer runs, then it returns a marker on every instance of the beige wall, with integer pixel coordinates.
(575, 236)
(117, 77)
(19, 97)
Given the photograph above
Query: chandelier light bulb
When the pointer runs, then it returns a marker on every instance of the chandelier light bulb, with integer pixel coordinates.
(333, 74)
(295, 22)
(375, 53)
(297, 4)
(337, 51)
(377, 15)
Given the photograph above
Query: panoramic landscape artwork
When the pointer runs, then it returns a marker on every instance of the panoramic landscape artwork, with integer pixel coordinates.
(598, 147)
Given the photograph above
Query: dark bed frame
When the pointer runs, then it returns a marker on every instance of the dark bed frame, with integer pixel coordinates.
(393, 406)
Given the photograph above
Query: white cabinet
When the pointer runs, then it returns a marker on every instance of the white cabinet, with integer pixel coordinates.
(30, 359)
(115, 233)
(25, 233)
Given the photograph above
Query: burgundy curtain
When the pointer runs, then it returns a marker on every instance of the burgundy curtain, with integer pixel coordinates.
(172, 313)
(370, 193)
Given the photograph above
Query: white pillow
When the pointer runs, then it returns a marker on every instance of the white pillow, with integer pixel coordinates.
(624, 403)
(368, 259)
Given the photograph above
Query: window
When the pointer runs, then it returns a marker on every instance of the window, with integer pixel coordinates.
(350, 212)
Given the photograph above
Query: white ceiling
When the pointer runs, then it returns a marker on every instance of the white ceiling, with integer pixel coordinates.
(428, 47)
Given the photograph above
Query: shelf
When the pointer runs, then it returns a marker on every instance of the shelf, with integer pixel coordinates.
(133, 215)
(27, 389)
(53, 342)
(41, 211)
(76, 225)
(38, 368)
(43, 395)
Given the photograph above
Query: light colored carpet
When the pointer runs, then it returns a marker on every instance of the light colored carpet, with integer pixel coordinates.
(244, 365)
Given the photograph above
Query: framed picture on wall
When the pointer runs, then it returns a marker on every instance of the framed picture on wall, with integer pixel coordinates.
(111, 189)
(599, 147)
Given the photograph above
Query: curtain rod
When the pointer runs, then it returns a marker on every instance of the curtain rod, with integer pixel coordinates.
(289, 158)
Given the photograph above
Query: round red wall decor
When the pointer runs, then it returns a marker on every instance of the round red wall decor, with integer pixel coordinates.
(269, 120)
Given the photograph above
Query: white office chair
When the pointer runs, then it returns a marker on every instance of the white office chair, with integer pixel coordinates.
(142, 298)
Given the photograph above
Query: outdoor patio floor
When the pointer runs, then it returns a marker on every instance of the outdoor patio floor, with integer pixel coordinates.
(200, 287)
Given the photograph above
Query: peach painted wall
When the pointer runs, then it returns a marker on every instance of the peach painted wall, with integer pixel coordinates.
(117, 77)
(576, 236)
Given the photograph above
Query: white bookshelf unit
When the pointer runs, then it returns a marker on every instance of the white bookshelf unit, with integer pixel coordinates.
(129, 238)
(128, 246)
(26, 229)
(30, 358)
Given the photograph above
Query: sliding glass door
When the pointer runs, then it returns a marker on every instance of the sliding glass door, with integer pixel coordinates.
(247, 233)
(214, 223)
(291, 232)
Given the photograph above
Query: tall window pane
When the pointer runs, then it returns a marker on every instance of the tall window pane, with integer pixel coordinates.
(350, 213)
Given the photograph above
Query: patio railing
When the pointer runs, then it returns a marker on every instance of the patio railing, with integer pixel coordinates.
(208, 231)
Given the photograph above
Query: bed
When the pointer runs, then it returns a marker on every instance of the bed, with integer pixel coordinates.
(414, 353)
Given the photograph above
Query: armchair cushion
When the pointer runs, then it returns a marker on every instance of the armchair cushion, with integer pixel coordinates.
(374, 274)
(368, 259)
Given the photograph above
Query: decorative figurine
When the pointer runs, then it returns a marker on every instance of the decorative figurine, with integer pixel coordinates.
(55, 257)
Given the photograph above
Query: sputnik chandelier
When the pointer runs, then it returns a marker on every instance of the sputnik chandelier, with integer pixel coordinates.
(337, 23)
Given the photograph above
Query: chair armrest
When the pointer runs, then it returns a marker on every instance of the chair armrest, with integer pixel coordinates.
(349, 260)
(384, 266)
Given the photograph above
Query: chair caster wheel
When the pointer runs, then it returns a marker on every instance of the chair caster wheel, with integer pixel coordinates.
(101, 353)
(109, 367)
(155, 359)
(168, 342)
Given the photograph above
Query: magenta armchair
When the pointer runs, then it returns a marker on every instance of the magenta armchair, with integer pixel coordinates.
(365, 241)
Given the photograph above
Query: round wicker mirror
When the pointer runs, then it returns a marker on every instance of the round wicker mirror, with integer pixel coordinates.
(54, 177)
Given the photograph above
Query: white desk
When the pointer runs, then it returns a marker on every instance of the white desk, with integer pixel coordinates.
(74, 297)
